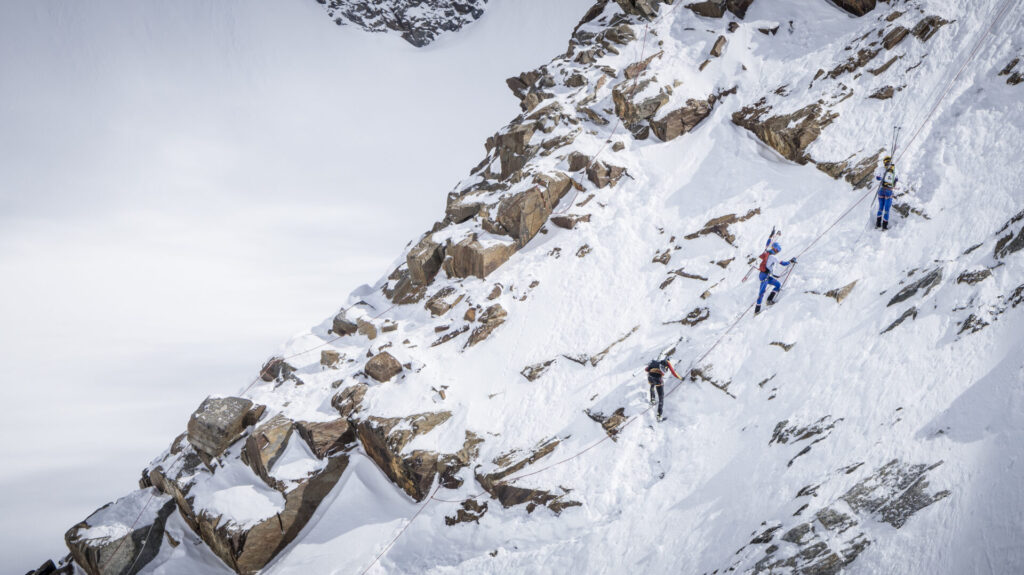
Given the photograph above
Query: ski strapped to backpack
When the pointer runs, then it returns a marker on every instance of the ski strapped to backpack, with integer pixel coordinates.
(764, 254)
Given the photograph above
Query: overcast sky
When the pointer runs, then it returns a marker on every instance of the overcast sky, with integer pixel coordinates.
(184, 186)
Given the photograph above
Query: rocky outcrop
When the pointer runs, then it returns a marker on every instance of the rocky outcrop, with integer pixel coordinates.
(471, 257)
(839, 294)
(383, 367)
(682, 120)
(636, 102)
(492, 317)
(645, 8)
(720, 226)
(419, 22)
(384, 440)
(219, 422)
(788, 134)
(718, 8)
(833, 537)
(856, 7)
(610, 423)
(927, 283)
(247, 549)
(499, 485)
(342, 326)
(265, 445)
(928, 26)
(105, 543)
(325, 438)
(349, 400)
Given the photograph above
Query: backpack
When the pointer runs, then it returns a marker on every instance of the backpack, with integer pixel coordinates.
(654, 367)
(764, 263)
(889, 179)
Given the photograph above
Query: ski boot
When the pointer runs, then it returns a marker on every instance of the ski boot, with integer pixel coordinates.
(885, 225)
(771, 298)
(878, 222)
(757, 309)
(660, 418)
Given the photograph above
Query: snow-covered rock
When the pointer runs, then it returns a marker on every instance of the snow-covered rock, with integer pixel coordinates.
(420, 22)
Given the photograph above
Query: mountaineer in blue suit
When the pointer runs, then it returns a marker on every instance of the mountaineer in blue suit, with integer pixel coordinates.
(767, 273)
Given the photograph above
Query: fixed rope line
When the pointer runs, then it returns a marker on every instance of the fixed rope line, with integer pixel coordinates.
(949, 86)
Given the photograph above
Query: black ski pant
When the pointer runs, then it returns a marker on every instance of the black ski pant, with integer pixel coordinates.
(661, 394)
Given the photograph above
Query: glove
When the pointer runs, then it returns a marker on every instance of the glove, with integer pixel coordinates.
(792, 260)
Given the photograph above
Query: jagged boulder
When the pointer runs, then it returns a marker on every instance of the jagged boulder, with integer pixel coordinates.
(218, 423)
(424, 260)
(638, 102)
(680, 121)
(927, 283)
(856, 7)
(602, 174)
(513, 147)
(470, 257)
(248, 548)
(492, 317)
(499, 485)
(342, 326)
(928, 26)
(348, 400)
(384, 440)
(107, 543)
(383, 367)
(325, 438)
(442, 301)
(788, 134)
(645, 8)
(718, 8)
(265, 445)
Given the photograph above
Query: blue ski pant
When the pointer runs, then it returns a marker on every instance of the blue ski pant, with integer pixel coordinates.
(884, 203)
(766, 280)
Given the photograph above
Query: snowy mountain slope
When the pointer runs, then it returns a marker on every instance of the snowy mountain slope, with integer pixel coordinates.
(846, 440)
(420, 22)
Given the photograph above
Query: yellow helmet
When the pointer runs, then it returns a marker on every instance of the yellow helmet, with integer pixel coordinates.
(887, 160)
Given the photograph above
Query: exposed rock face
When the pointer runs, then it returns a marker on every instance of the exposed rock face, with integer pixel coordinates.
(636, 102)
(718, 8)
(839, 294)
(492, 317)
(927, 27)
(470, 257)
(265, 445)
(218, 423)
(610, 423)
(383, 367)
(856, 7)
(496, 484)
(249, 549)
(348, 400)
(103, 544)
(680, 121)
(424, 260)
(720, 226)
(384, 440)
(325, 438)
(927, 283)
(342, 326)
(420, 22)
(830, 540)
(788, 134)
(645, 8)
